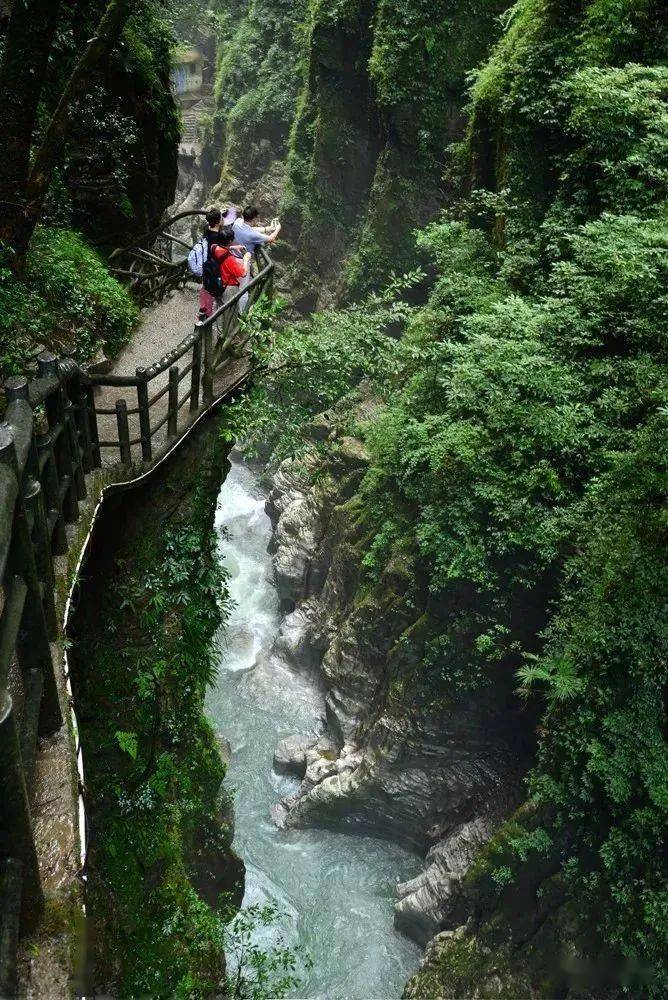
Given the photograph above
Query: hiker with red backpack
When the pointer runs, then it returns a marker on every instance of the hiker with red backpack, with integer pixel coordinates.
(220, 279)
(199, 255)
(225, 268)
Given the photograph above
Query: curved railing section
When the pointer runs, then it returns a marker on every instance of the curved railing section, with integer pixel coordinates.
(133, 424)
(156, 263)
(58, 430)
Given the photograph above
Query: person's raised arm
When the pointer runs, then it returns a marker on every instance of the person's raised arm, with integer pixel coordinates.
(273, 236)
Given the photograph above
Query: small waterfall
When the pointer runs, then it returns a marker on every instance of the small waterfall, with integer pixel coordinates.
(335, 891)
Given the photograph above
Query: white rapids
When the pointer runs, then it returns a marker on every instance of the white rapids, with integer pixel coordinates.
(335, 891)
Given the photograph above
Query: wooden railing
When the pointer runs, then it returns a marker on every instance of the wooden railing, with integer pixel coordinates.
(154, 265)
(135, 424)
(57, 430)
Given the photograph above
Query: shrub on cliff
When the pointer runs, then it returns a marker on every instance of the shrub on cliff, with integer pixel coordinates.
(67, 302)
(164, 884)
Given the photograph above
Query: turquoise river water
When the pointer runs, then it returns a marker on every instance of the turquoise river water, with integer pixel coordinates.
(335, 891)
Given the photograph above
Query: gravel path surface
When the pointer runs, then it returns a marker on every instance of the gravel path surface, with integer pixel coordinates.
(161, 328)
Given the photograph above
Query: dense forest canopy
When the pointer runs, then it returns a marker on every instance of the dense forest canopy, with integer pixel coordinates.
(90, 132)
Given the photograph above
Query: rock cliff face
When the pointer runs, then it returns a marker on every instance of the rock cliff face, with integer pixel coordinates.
(438, 781)
(343, 113)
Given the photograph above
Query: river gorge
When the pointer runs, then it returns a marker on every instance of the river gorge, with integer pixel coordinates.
(335, 891)
(391, 700)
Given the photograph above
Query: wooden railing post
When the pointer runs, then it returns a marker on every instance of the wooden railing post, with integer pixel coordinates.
(144, 415)
(55, 412)
(82, 422)
(196, 375)
(72, 433)
(16, 388)
(16, 833)
(34, 502)
(52, 493)
(11, 888)
(123, 431)
(96, 457)
(34, 651)
(207, 377)
(173, 402)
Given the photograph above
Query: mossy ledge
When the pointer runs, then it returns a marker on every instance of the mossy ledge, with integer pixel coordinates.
(160, 856)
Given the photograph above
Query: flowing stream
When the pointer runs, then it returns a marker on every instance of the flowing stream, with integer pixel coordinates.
(335, 891)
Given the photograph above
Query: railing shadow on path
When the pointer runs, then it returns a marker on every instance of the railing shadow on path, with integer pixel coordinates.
(60, 430)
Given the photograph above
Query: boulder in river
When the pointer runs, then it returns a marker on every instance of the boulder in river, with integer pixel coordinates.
(290, 755)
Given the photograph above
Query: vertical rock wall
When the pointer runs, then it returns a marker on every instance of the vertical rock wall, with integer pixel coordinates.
(343, 113)
(439, 781)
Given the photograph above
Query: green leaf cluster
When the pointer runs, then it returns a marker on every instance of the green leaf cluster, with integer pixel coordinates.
(257, 83)
(163, 887)
(155, 770)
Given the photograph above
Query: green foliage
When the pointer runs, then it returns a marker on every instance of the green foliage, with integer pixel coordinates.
(154, 768)
(129, 743)
(118, 164)
(535, 840)
(518, 458)
(312, 364)
(160, 847)
(254, 972)
(68, 301)
(381, 99)
(419, 60)
(619, 120)
(502, 876)
(256, 83)
(603, 762)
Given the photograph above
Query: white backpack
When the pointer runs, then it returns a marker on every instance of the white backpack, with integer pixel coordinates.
(197, 257)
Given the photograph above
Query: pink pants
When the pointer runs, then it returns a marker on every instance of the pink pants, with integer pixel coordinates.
(209, 304)
(206, 301)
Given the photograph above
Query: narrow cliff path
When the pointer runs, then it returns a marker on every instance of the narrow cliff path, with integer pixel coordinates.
(161, 328)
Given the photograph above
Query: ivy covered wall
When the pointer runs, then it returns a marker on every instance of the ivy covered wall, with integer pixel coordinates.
(259, 67)
(355, 103)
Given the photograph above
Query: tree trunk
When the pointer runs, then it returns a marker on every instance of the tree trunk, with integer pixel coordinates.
(28, 41)
(36, 186)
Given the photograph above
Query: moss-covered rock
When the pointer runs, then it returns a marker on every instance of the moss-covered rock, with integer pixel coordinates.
(160, 854)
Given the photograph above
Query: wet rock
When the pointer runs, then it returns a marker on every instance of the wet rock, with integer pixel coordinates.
(224, 749)
(296, 537)
(435, 948)
(279, 811)
(296, 644)
(426, 903)
(290, 483)
(439, 782)
(290, 755)
(297, 530)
